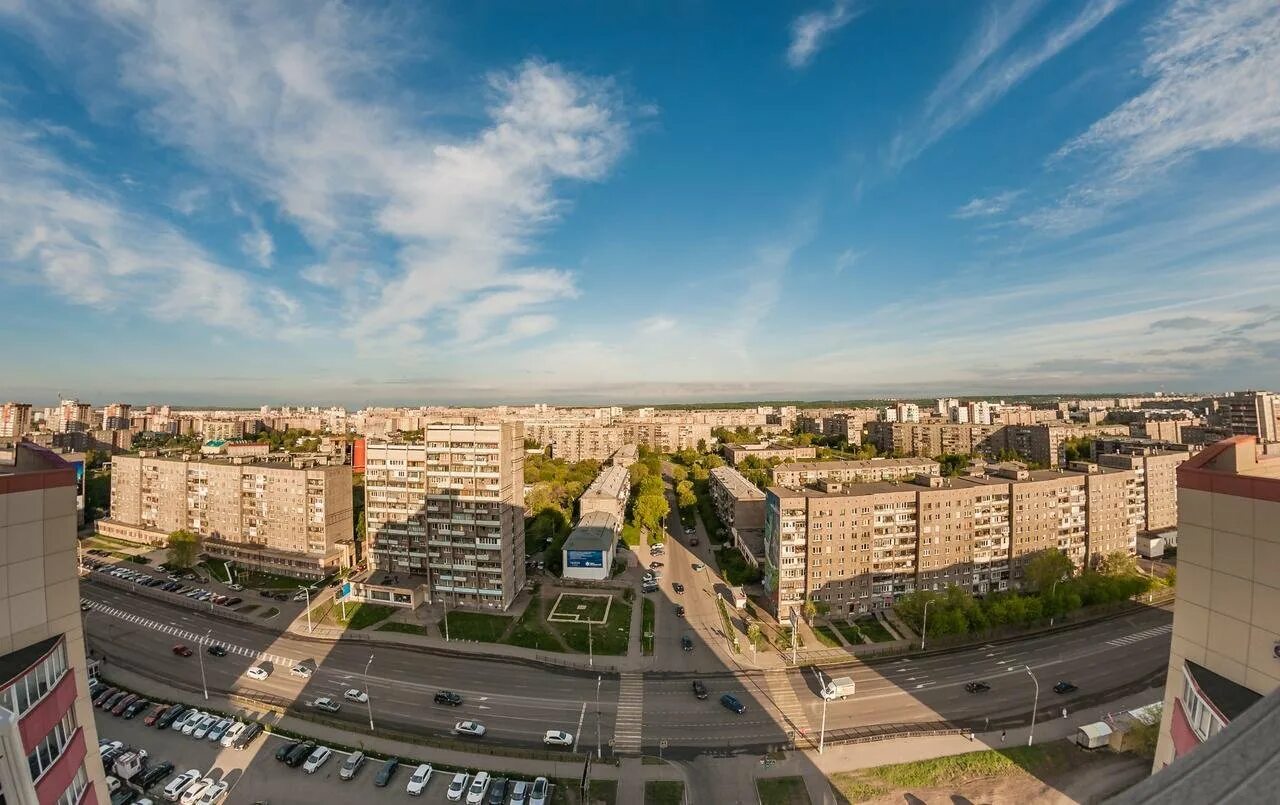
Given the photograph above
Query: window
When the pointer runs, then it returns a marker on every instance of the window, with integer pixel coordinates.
(26, 691)
(50, 747)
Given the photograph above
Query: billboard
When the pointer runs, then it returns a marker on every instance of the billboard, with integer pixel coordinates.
(78, 466)
(585, 558)
(346, 589)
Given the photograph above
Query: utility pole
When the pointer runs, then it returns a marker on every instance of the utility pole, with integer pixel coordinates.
(924, 627)
(822, 732)
(307, 592)
(204, 684)
(367, 698)
(1034, 704)
(599, 678)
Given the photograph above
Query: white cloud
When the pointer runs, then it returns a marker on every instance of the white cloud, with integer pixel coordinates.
(1214, 67)
(979, 79)
(847, 259)
(257, 243)
(810, 30)
(657, 324)
(983, 207)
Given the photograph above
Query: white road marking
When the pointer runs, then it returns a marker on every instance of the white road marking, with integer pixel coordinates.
(1143, 635)
(578, 733)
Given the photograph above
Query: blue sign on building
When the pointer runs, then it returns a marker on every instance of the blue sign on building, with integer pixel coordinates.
(586, 558)
(346, 589)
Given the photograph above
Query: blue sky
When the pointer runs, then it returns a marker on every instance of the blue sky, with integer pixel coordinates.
(579, 201)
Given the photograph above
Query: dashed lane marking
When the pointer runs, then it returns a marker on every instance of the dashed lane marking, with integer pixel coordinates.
(183, 634)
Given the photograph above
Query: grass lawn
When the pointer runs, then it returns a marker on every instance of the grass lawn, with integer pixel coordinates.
(531, 631)
(933, 772)
(610, 638)
(783, 791)
(737, 571)
(479, 626)
(826, 635)
(873, 629)
(851, 633)
(604, 792)
(122, 547)
(255, 579)
(585, 607)
(647, 618)
(403, 628)
(631, 535)
(359, 616)
(663, 792)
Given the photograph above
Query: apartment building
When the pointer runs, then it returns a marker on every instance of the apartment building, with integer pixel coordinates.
(860, 546)
(74, 416)
(225, 429)
(116, 416)
(47, 733)
(735, 454)
(1226, 619)
(1156, 489)
(607, 493)
(932, 439)
(262, 514)
(445, 517)
(625, 456)
(15, 420)
(1255, 413)
(666, 434)
(844, 425)
(740, 506)
(876, 469)
(581, 442)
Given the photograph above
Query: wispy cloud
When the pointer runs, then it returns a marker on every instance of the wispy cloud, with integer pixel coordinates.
(657, 324)
(1181, 323)
(982, 76)
(847, 259)
(1213, 65)
(983, 207)
(257, 243)
(810, 30)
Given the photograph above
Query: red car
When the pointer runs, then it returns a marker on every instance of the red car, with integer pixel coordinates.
(181, 650)
(155, 714)
(123, 704)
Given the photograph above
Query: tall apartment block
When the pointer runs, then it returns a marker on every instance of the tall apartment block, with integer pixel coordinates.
(668, 435)
(15, 420)
(445, 517)
(740, 506)
(116, 416)
(876, 469)
(1255, 413)
(1224, 654)
(269, 515)
(1156, 490)
(858, 547)
(47, 733)
(74, 416)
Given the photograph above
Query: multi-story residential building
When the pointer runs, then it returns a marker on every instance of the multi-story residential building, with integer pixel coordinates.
(945, 404)
(268, 515)
(980, 412)
(1024, 415)
(116, 416)
(226, 429)
(932, 439)
(740, 506)
(46, 718)
(74, 416)
(581, 442)
(445, 517)
(607, 493)
(1226, 619)
(860, 546)
(875, 469)
(666, 434)
(625, 456)
(1156, 489)
(1255, 413)
(737, 453)
(15, 420)
(908, 412)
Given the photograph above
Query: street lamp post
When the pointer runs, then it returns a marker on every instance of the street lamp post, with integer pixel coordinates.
(591, 655)
(599, 678)
(924, 626)
(307, 592)
(368, 700)
(822, 731)
(204, 684)
(1035, 703)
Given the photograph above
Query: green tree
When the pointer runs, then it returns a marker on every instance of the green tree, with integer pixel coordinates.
(1046, 567)
(753, 633)
(679, 474)
(1171, 577)
(702, 445)
(809, 609)
(684, 495)
(650, 510)
(183, 549)
(699, 473)
(1118, 563)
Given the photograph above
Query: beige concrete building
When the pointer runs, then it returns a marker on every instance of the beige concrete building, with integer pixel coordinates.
(74, 417)
(607, 493)
(876, 469)
(15, 420)
(581, 442)
(1225, 652)
(1255, 413)
(269, 515)
(445, 517)
(1156, 489)
(47, 731)
(665, 435)
(226, 429)
(735, 454)
(625, 456)
(740, 506)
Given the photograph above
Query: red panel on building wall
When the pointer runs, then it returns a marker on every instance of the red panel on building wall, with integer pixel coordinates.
(36, 722)
(56, 780)
(357, 456)
(1184, 737)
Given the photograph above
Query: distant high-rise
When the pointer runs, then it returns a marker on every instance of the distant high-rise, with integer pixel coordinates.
(15, 420)
(74, 416)
(1254, 413)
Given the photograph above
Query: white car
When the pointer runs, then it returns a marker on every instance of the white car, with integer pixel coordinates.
(326, 704)
(558, 738)
(213, 793)
(541, 791)
(113, 784)
(104, 748)
(257, 672)
(181, 783)
(202, 729)
(418, 782)
(192, 795)
(356, 695)
(519, 792)
(301, 670)
(229, 737)
(472, 729)
(457, 787)
(190, 723)
(236, 587)
(479, 785)
(317, 759)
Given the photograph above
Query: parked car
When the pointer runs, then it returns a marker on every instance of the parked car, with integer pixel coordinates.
(101, 698)
(677, 587)
(498, 791)
(316, 759)
(299, 754)
(301, 670)
(326, 704)
(213, 793)
(356, 695)
(679, 611)
(387, 771)
(181, 650)
(418, 780)
(479, 785)
(469, 729)
(557, 738)
(693, 542)
(218, 650)
(447, 697)
(110, 704)
(192, 721)
(228, 738)
(154, 774)
(232, 601)
(110, 746)
(202, 729)
(155, 715)
(977, 687)
(246, 737)
(236, 587)
(192, 795)
(351, 765)
(540, 792)
(1064, 687)
(457, 787)
(220, 729)
(732, 702)
(283, 752)
(257, 672)
(135, 708)
(123, 704)
(697, 566)
(179, 785)
(699, 689)
(171, 715)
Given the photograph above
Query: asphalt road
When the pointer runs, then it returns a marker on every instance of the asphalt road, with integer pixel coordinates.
(518, 702)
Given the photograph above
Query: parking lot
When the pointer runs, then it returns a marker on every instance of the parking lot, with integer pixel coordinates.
(253, 773)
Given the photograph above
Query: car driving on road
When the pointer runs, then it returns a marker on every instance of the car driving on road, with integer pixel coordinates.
(732, 702)
(356, 695)
(1064, 687)
(977, 687)
(447, 697)
(557, 738)
(326, 704)
(699, 689)
(471, 729)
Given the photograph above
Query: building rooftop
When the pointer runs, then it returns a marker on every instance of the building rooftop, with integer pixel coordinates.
(851, 464)
(612, 483)
(1226, 696)
(955, 482)
(736, 483)
(596, 531)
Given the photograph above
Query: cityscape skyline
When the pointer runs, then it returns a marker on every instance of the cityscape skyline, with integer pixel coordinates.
(1020, 199)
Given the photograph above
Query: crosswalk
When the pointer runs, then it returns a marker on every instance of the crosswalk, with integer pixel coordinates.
(783, 696)
(627, 728)
(183, 634)
(1143, 635)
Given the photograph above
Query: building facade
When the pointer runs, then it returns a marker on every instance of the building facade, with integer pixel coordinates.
(15, 420)
(876, 469)
(47, 732)
(267, 515)
(1225, 651)
(735, 454)
(1254, 413)
(445, 516)
(607, 493)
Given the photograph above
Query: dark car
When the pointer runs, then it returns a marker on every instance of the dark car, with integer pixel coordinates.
(677, 587)
(299, 753)
(686, 643)
(699, 689)
(232, 601)
(977, 687)
(171, 715)
(1064, 687)
(155, 714)
(247, 735)
(285, 749)
(154, 774)
(731, 702)
(265, 593)
(448, 697)
(498, 791)
(385, 773)
(679, 612)
(125, 796)
(181, 650)
(218, 650)
(281, 596)
(103, 695)
(136, 707)
(693, 541)
(111, 703)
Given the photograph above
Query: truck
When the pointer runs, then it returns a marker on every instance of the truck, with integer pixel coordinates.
(838, 688)
(128, 765)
